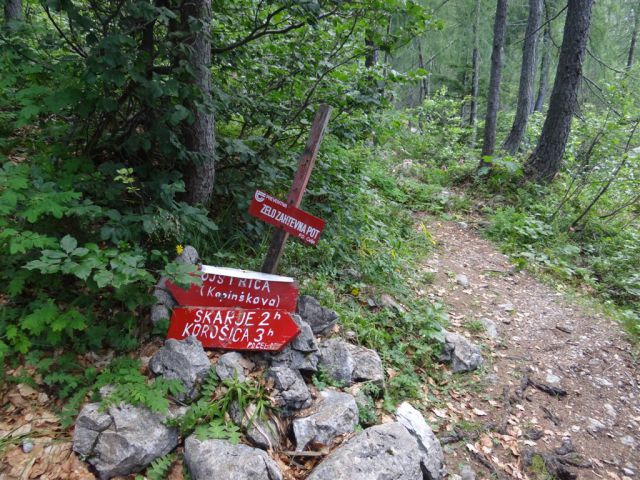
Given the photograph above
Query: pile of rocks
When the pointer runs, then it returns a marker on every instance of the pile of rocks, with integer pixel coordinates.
(124, 439)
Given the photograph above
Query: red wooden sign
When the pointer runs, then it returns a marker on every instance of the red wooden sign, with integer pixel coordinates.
(229, 287)
(234, 328)
(287, 217)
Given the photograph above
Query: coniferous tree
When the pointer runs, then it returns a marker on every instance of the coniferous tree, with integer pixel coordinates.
(634, 36)
(544, 68)
(527, 77)
(475, 67)
(546, 159)
(493, 96)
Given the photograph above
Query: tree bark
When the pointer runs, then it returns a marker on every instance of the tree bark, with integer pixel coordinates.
(544, 69)
(634, 37)
(545, 161)
(12, 10)
(527, 79)
(493, 97)
(371, 57)
(475, 79)
(199, 136)
(424, 86)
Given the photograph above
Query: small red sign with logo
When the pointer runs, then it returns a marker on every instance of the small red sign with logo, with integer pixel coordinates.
(234, 328)
(226, 287)
(294, 221)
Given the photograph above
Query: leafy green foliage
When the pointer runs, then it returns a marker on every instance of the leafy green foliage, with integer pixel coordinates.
(131, 386)
(159, 468)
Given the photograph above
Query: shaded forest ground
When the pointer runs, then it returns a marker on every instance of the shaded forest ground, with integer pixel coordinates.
(543, 337)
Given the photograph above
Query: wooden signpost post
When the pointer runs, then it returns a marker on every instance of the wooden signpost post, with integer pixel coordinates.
(307, 161)
(244, 310)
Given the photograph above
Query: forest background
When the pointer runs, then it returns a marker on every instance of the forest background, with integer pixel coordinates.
(129, 128)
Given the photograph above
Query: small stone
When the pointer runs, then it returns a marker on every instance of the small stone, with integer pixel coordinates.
(163, 296)
(189, 255)
(462, 280)
(264, 433)
(463, 355)
(27, 446)
(463, 225)
(489, 327)
(335, 414)
(231, 365)
(595, 425)
(184, 360)
(388, 301)
(218, 459)
(628, 472)
(291, 392)
(159, 312)
(603, 382)
(507, 307)
(467, 473)
(610, 411)
(367, 365)
(552, 378)
(305, 341)
(319, 318)
(629, 441)
(336, 361)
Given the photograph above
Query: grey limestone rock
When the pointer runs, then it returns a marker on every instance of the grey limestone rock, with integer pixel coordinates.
(218, 459)
(467, 473)
(123, 440)
(301, 353)
(346, 363)
(232, 365)
(189, 255)
(159, 312)
(463, 354)
(385, 451)
(262, 432)
(320, 319)
(184, 360)
(163, 297)
(335, 414)
(367, 366)
(291, 392)
(336, 360)
(489, 327)
(432, 457)
(305, 341)
(462, 280)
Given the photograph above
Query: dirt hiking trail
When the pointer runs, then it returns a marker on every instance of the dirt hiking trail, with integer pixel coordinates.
(542, 342)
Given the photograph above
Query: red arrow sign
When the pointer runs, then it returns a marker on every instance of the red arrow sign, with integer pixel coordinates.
(287, 217)
(234, 328)
(230, 287)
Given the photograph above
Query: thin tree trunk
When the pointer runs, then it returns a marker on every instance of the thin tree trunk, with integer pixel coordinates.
(544, 163)
(424, 87)
(475, 79)
(544, 69)
(12, 10)
(527, 79)
(634, 37)
(493, 97)
(199, 137)
(371, 57)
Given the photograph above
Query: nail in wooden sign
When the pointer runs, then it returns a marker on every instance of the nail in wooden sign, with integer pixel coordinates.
(291, 219)
(230, 287)
(234, 328)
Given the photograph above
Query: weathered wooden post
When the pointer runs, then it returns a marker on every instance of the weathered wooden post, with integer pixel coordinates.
(307, 161)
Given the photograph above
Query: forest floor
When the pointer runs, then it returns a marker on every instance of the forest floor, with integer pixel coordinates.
(544, 338)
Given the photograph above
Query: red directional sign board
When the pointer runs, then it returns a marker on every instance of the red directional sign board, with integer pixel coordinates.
(229, 287)
(294, 221)
(234, 328)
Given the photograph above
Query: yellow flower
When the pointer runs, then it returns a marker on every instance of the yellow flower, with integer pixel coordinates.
(179, 249)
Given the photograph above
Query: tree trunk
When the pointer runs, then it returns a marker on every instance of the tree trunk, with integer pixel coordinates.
(544, 69)
(371, 57)
(424, 86)
(493, 97)
(527, 79)
(199, 137)
(634, 37)
(546, 159)
(475, 79)
(12, 10)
